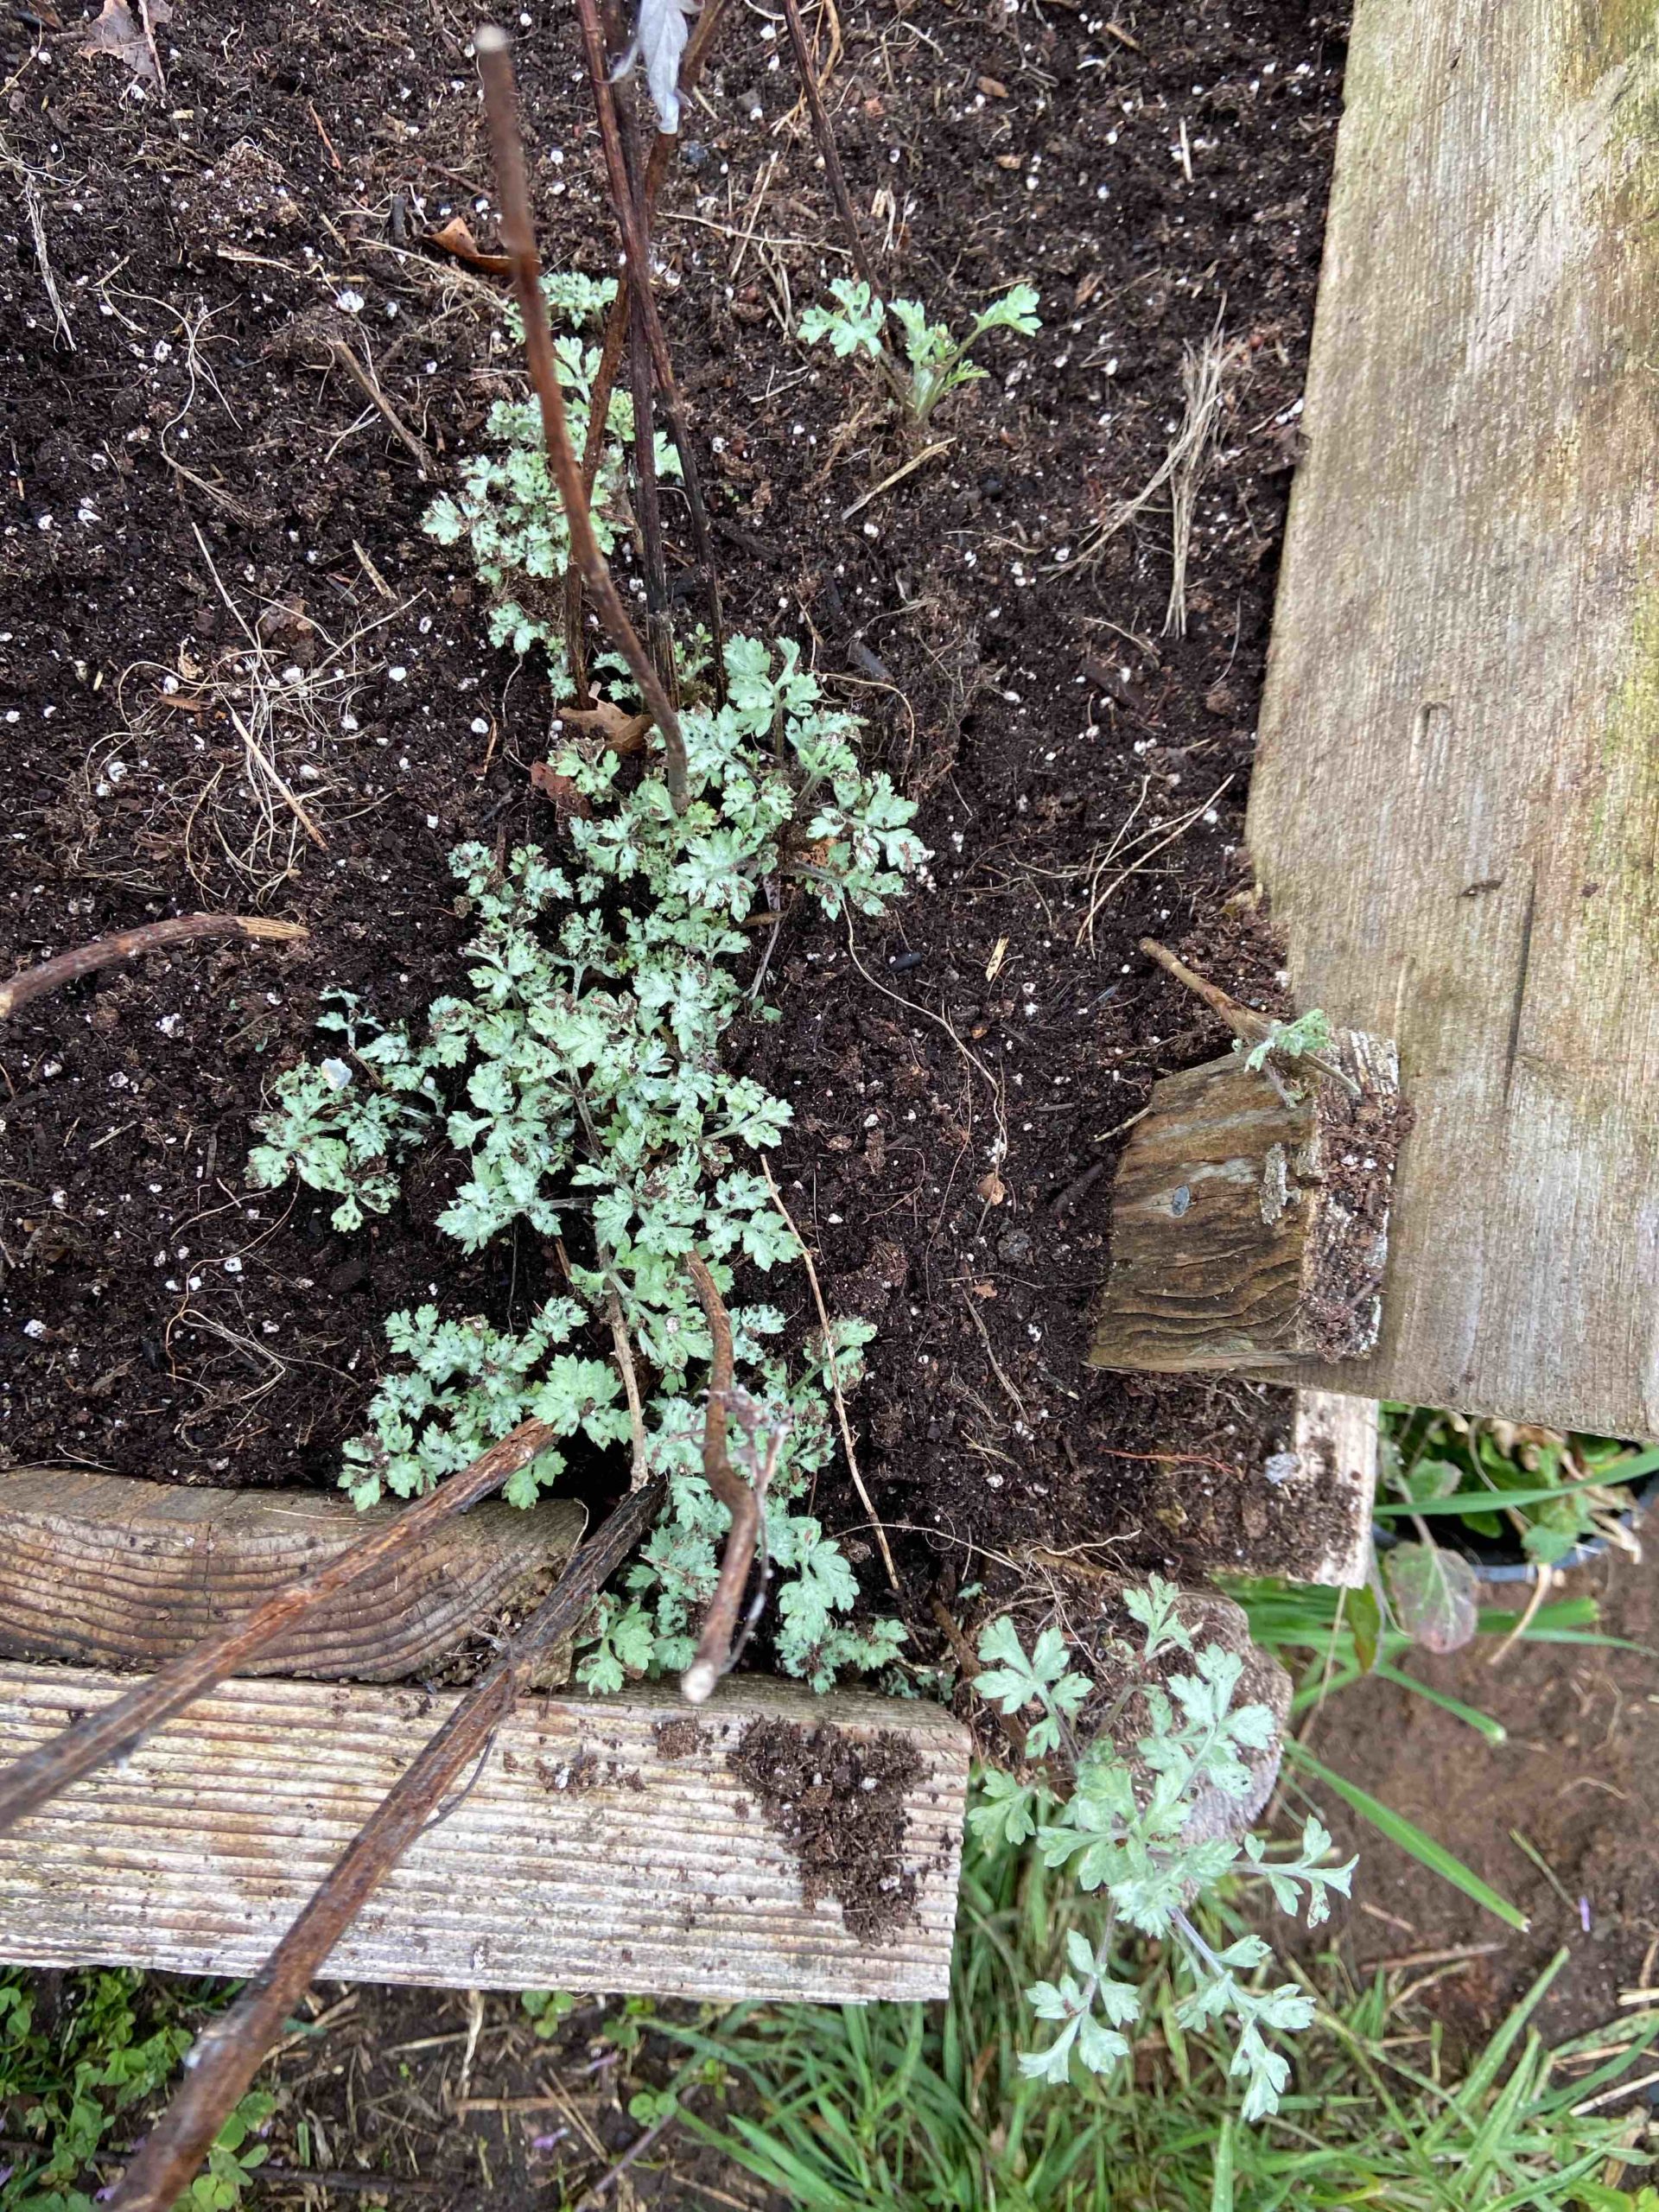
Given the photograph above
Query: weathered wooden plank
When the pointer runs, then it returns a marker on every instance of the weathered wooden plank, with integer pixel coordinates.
(1456, 805)
(110, 1571)
(1329, 1475)
(1249, 1227)
(606, 1843)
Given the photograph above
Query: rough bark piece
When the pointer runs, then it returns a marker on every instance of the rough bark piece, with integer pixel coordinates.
(1248, 1232)
(1455, 810)
(111, 1571)
(599, 1848)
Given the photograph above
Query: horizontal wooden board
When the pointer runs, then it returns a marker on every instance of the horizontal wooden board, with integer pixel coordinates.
(592, 1852)
(1455, 810)
(111, 1571)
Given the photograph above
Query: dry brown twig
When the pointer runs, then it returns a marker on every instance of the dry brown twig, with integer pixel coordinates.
(518, 237)
(834, 1380)
(231, 2052)
(132, 944)
(1246, 1024)
(714, 1654)
(115, 1727)
(631, 200)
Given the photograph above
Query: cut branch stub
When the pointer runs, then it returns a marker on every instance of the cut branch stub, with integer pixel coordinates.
(1248, 1231)
(109, 1571)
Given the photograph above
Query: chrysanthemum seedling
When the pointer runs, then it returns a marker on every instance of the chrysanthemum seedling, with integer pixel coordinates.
(935, 363)
(578, 1087)
(1123, 1827)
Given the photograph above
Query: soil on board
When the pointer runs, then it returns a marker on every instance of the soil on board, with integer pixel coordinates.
(840, 1805)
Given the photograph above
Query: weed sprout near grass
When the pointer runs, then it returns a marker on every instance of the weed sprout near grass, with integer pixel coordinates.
(1131, 1826)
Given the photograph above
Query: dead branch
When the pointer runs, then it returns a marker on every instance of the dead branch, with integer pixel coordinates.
(713, 1652)
(115, 1727)
(129, 944)
(662, 153)
(834, 1381)
(834, 174)
(631, 1385)
(629, 198)
(1249, 1026)
(518, 236)
(230, 2053)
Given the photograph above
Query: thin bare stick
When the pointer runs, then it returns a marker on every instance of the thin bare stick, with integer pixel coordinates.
(115, 1727)
(631, 1385)
(634, 220)
(834, 1379)
(289, 796)
(826, 138)
(897, 476)
(662, 153)
(1249, 1026)
(713, 1652)
(131, 944)
(230, 2053)
(518, 237)
(354, 368)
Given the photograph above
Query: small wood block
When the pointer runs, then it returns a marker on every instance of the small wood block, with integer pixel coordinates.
(607, 1843)
(1248, 1233)
(111, 1571)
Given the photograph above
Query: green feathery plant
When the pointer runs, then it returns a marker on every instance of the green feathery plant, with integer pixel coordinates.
(69, 2078)
(578, 1085)
(507, 510)
(936, 364)
(1123, 1827)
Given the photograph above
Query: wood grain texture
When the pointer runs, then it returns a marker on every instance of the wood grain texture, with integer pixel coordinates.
(1248, 1231)
(111, 1571)
(1334, 1444)
(585, 1856)
(1456, 805)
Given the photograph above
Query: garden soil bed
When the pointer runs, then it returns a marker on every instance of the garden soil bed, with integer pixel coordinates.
(960, 1092)
(187, 469)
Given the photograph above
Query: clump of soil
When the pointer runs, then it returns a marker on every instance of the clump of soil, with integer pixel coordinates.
(839, 1803)
(682, 1738)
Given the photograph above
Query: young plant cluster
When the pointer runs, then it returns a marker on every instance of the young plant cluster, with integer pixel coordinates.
(1123, 1828)
(507, 510)
(935, 363)
(578, 1085)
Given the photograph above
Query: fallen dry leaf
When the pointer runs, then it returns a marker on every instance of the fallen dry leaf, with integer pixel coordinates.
(566, 798)
(622, 732)
(455, 239)
(116, 29)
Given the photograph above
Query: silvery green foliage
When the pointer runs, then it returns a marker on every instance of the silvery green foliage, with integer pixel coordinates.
(508, 508)
(1308, 1032)
(938, 363)
(1124, 1830)
(579, 1079)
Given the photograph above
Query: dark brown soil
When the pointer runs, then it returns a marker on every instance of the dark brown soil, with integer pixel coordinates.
(187, 475)
(1577, 1779)
(840, 1805)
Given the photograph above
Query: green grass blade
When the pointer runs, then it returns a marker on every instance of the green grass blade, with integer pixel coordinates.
(1482, 1723)
(1409, 1837)
(1221, 2189)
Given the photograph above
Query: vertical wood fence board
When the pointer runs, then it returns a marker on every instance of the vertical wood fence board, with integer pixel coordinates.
(586, 1854)
(1456, 804)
